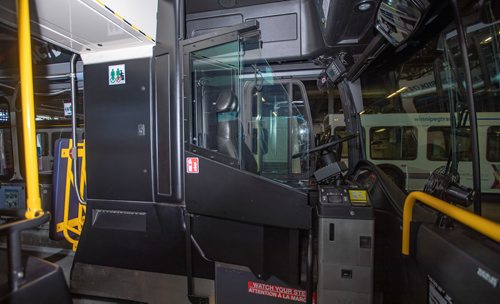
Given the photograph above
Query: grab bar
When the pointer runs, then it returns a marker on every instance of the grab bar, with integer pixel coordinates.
(480, 224)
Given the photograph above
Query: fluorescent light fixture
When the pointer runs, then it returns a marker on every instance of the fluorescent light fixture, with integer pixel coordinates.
(487, 40)
(362, 112)
(397, 92)
(380, 130)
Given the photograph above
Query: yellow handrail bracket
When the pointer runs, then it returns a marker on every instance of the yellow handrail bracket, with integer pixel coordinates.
(473, 221)
(74, 225)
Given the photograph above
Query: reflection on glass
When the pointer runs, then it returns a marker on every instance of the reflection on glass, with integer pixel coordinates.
(242, 115)
(438, 144)
(426, 125)
(393, 143)
(493, 144)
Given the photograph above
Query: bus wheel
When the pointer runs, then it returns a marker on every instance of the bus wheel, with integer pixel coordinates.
(396, 175)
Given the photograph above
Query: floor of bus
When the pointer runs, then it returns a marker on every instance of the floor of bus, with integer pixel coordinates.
(37, 243)
(151, 287)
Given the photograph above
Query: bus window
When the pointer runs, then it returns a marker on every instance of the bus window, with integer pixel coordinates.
(299, 131)
(6, 156)
(284, 126)
(493, 144)
(216, 122)
(270, 110)
(42, 144)
(393, 143)
(44, 158)
(438, 144)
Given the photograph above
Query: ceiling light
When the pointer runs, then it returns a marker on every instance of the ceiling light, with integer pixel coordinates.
(364, 6)
(397, 92)
(486, 40)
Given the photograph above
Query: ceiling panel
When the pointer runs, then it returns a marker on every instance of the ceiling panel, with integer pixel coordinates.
(83, 26)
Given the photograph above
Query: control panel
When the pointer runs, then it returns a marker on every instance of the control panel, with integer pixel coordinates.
(343, 195)
(345, 244)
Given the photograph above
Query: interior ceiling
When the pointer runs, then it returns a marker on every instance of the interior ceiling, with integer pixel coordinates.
(84, 26)
(196, 6)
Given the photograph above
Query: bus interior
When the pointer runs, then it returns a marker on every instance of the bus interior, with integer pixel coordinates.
(250, 151)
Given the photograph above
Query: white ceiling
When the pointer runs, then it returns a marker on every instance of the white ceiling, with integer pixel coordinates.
(88, 26)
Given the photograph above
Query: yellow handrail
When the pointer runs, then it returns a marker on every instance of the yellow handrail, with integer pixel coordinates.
(73, 225)
(474, 221)
(33, 203)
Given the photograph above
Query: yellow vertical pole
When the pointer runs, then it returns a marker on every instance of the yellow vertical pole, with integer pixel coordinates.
(33, 203)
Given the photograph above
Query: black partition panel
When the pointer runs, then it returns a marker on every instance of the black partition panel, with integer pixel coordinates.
(162, 126)
(118, 130)
(222, 191)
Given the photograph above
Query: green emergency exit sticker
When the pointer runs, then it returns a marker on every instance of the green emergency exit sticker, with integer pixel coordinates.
(116, 74)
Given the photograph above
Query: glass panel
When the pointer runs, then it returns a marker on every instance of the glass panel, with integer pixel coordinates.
(493, 144)
(42, 144)
(280, 128)
(438, 144)
(6, 153)
(270, 123)
(243, 116)
(393, 143)
(215, 89)
(426, 91)
(299, 131)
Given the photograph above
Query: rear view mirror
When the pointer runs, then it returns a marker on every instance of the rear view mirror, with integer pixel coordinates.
(399, 19)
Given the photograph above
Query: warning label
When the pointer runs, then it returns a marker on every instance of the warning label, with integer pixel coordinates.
(437, 295)
(279, 292)
(192, 165)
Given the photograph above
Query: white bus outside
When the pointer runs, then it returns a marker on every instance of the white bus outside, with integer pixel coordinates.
(410, 146)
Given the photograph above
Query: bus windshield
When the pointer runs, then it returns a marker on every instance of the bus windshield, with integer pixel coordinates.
(415, 116)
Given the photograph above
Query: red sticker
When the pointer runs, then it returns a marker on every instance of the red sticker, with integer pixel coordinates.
(192, 165)
(275, 291)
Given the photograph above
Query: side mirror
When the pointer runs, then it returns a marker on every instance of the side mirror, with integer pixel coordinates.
(397, 20)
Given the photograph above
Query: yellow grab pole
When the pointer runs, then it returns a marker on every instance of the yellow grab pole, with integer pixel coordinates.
(33, 204)
(474, 221)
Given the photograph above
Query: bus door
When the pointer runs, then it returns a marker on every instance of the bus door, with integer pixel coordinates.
(242, 125)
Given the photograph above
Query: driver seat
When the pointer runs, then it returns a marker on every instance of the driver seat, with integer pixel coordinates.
(228, 133)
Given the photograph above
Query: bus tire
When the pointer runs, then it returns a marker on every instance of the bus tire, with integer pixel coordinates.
(396, 175)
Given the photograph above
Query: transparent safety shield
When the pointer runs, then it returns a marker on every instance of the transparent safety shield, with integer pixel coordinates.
(243, 116)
